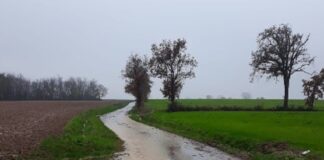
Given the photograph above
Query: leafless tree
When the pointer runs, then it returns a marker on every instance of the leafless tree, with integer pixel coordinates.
(102, 91)
(209, 97)
(171, 63)
(314, 89)
(137, 79)
(13, 87)
(246, 95)
(221, 97)
(280, 53)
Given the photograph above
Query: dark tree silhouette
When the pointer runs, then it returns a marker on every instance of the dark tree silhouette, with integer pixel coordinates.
(246, 95)
(137, 79)
(314, 89)
(280, 53)
(14, 87)
(171, 63)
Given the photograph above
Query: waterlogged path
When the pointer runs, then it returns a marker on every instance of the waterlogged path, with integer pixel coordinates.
(143, 142)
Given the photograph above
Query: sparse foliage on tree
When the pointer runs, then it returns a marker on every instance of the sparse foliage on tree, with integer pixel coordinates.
(137, 79)
(171, 63)
(280, 53)
(314, 89)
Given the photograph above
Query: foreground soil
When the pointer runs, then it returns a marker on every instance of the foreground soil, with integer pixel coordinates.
(24, 124)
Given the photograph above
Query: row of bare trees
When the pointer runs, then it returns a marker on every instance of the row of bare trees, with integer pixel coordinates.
(282, 53)
(169, 62)
(16, 87)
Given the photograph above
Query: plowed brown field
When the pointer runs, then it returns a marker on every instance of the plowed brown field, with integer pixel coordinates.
(23, 124)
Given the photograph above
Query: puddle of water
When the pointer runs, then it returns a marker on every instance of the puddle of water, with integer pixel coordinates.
(143, 142)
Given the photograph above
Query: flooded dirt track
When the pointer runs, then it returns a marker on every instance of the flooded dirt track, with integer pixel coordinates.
(143, 142)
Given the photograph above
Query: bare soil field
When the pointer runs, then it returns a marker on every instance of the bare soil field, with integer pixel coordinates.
(23, 124)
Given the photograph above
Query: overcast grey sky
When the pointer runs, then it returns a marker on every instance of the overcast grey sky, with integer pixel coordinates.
(93, 38)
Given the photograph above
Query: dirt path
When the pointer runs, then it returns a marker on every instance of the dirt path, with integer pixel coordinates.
(143, 142)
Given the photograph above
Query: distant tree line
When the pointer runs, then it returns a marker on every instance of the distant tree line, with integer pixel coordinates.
(16, 87)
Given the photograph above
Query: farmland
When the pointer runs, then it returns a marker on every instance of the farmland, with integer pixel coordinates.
(24, 124)
(84, 137)
(247, 134)
(241, 103)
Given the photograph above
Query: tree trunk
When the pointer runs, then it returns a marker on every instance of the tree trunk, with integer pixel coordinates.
(311, 102)
(286, 96)
(137, 103)
(172, 106)
(311, 99)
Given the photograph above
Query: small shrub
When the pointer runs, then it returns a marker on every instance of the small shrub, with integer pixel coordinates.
(258, 108)
(293, 108)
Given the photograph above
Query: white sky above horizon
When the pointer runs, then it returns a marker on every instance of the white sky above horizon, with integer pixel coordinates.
(93, 39)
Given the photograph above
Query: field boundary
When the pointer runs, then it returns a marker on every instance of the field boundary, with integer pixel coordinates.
(84, 137)
(244, 147)
(182, 108)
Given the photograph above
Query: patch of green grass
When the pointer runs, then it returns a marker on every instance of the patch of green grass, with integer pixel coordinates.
(245, 103)
(241, 131)
(85, 136)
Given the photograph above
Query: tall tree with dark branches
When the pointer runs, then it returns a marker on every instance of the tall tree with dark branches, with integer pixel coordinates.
(280, 53)
(314, 89)
(137, 79)
(171, 63)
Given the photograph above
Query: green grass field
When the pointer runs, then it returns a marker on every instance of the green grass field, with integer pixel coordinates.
(85, 136)
(244, 103)
(244, 132)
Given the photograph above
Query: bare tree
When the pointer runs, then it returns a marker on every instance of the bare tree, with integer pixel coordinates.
(314, 89)
(13, 87)
(246, 95)
(171, 63)
(209, 97)
(137, 79)
(221, 97)
(102, 91)
(280, 53)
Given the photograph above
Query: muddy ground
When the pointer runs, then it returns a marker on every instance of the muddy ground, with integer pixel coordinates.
(23, 124)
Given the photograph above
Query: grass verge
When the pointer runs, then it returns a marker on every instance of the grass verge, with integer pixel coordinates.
(84, 137)
(248, 134)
